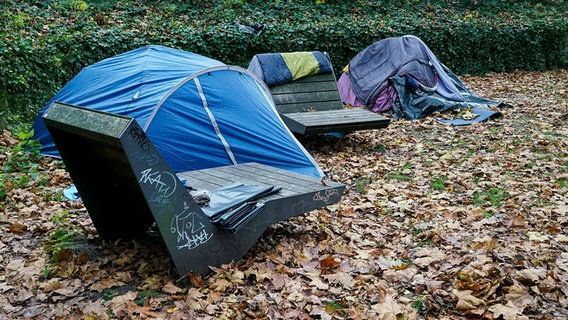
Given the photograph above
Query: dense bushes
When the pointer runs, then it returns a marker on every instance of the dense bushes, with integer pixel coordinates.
(45, 43)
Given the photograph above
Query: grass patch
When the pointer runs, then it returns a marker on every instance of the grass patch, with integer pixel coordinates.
(424, 243)
(530, 164)
(361, 185)
(399, 177)
(381, 148)
(493, 196)
(335, 305)
(439, 183)
(552, 134)
(400, 174)
(562, 183)
(142, 295)
(420, 304)
(60, 241)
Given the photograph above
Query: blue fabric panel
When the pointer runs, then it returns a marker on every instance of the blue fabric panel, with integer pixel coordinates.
(324, 63)
(274, 69)
(482, 115)
(129, 84)
(249, 124)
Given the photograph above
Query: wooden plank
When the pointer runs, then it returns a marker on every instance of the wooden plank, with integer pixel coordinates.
(344, 116)
(345, 120)
(202, 180)
(308, 97)
(308, 107)
(312, 93)
(286, 179)
(310, 86)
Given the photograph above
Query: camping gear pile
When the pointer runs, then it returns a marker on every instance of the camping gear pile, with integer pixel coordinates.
(124, 123)
(201, 113)
(401, 75)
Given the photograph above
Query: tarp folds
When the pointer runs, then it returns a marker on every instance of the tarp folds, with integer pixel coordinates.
(231, 207)
(198, 112)
(403, 74)
(417, 104)
(281, 68)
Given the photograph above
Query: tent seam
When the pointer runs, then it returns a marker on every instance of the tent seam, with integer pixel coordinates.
(214, 121)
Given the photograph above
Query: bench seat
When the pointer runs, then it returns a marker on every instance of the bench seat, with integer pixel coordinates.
(126, 186)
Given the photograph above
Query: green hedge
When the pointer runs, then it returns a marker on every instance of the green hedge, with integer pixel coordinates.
(43, 44)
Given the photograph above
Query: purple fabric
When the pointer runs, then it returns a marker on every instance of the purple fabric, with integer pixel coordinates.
(382, 104)
(385, 99)
(346, 93)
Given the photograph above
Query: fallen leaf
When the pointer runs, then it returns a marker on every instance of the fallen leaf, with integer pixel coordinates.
(466, 301)
(170, 288)
(328, 263)
(388, 309)
(507, 312)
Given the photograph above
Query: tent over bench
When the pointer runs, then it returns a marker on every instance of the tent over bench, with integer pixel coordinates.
(199, 112)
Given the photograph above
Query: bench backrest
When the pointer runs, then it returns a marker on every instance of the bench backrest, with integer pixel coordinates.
(124, 182)
(312, 93)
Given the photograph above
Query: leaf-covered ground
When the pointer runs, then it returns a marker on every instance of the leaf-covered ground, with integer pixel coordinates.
(438, 222)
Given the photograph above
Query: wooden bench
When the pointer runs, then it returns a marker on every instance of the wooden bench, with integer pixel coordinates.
(312, 105)
(126, 187)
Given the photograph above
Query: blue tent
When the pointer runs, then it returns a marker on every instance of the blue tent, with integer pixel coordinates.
(199, 112)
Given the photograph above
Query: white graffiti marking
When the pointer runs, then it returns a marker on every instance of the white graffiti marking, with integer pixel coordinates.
(145, 158)
(190, 232)
(165, 183)
(326, 197)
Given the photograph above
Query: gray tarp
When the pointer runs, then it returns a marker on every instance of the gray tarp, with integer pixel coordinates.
(370, 69)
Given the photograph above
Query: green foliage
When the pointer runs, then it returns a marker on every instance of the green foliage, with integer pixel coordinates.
(24, 156)
(493, 197)
(20, 169)
(439, 183)
(3, 190)
(424, 243)
(110, 293)
(361, 185)
(44, 43)
(62, 237)
(336, 305)
(562, 183)
(399, 177)
(402, 173)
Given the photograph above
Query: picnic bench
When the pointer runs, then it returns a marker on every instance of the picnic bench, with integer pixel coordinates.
(312, 105)
(126, 187)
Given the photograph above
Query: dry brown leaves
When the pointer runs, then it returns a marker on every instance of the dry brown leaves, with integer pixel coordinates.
(438, 222)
